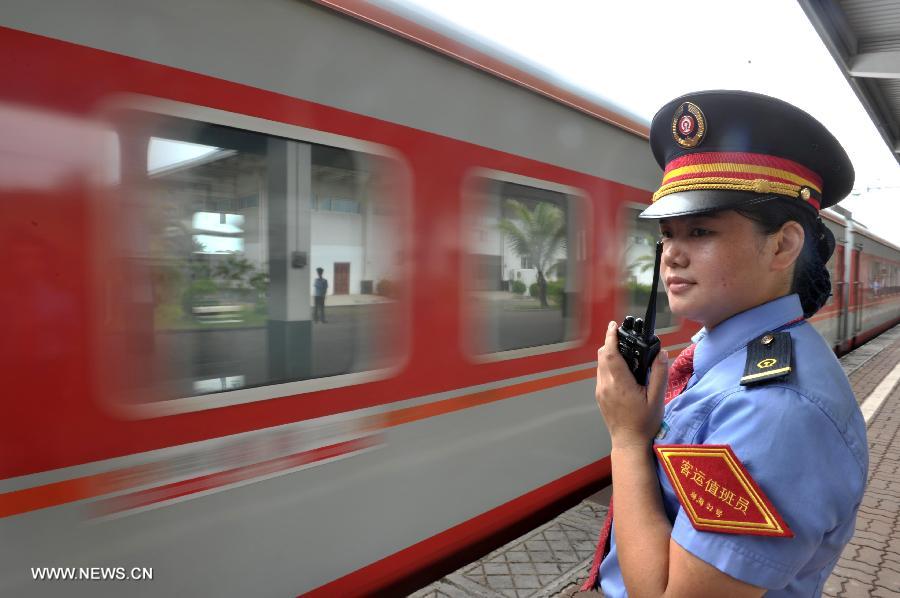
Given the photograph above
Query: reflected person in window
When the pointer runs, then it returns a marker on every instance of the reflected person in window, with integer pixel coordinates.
(320, 287)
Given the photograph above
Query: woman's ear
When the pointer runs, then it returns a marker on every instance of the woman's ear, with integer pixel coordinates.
(788, 245)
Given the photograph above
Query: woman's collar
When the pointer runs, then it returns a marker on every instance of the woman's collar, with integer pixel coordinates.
(741, 328)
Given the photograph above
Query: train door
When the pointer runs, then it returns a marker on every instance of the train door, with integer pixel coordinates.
(857, 289)
(840, 297)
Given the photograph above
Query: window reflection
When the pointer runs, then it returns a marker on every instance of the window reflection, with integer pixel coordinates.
(523, 289)
(638, 262)
(883, 278)
(233, 227)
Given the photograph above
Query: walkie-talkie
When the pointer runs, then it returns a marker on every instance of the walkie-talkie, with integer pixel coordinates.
(637, 342)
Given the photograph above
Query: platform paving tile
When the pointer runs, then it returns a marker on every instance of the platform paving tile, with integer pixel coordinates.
(857, 358)
(536, 565)
(554, 559)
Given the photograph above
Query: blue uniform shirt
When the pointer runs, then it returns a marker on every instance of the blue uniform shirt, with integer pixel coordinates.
(802, 438)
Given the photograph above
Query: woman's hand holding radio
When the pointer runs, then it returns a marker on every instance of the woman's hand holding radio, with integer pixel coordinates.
(632, 412)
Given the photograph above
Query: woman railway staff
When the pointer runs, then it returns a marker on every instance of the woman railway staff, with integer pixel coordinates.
(749, 480)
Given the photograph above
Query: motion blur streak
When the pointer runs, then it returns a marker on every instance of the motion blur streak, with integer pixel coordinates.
(41, 150)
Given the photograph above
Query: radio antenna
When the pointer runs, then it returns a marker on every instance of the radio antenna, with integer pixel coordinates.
(650, 316)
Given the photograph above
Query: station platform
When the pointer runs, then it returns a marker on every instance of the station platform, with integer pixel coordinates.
(553, 560)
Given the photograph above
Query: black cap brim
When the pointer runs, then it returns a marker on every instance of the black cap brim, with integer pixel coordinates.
(687, 203)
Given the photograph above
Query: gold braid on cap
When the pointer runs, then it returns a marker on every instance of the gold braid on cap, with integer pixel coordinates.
(739, 171)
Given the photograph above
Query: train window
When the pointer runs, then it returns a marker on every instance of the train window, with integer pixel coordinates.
(265, 260)
(521, 274)
(638, 260)
(883, 279)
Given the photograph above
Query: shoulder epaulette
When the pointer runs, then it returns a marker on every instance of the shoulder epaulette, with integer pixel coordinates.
(768, 358)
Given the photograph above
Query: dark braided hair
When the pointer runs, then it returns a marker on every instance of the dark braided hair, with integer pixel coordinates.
(811, 279)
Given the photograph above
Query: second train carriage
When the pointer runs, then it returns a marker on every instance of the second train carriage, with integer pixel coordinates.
(172, 178)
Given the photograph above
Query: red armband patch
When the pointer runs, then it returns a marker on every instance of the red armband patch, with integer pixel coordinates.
(717, 492)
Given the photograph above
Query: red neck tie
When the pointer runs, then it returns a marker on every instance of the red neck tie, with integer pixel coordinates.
(679, 374)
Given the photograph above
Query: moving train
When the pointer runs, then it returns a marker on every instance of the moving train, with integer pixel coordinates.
(175, 181)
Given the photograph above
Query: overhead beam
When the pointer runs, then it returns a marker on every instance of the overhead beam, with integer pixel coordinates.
(829, 21)
(875, 65)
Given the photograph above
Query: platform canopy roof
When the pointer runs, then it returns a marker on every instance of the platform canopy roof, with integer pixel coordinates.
(863, 36)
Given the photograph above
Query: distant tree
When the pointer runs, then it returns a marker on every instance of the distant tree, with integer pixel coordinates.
(234, 269)
(537, 234)
(646, 261)
(260, 282)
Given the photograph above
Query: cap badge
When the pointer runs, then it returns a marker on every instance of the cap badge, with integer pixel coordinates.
(688, 125)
